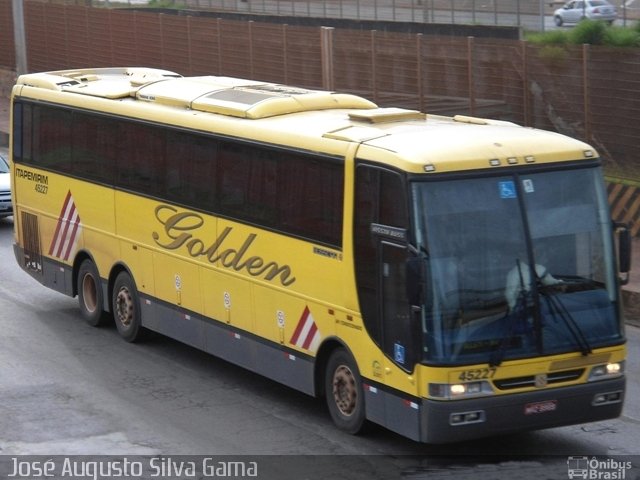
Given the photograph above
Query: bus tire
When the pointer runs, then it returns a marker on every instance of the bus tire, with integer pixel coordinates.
(90, 297)
(125, 305)
(344, 393)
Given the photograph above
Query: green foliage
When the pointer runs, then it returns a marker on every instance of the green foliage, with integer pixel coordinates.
(162, 4)
(552, 37)
(587, 31)
(622, 37)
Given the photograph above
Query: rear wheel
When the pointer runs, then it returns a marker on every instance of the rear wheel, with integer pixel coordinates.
(125, 305)
(90, 297)
(344, 394)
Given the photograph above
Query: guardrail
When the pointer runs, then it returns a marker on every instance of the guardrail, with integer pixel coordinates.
(536, 15)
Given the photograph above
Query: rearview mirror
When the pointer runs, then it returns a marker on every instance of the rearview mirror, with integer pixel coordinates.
(624, 250)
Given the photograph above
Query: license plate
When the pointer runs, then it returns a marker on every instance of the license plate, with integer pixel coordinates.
(540, 407)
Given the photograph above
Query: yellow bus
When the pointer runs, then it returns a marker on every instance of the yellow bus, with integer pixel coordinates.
(447, 278)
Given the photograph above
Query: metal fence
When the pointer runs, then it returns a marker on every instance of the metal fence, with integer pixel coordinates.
(536, 15)
(591, 93)
(527, 13)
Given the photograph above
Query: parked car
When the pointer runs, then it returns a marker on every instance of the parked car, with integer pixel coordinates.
(6, 209)
(577, 10)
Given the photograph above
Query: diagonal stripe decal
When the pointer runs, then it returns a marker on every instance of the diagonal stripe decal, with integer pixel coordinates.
(306, 334)
(67, 231)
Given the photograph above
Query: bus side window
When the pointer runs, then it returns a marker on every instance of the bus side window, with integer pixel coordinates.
(52, 146)
(141, 163)
(27, 133)
(232, 175)
(379, 198)
(93, 150)
(190, 174)
(311, 198)
(365, 213)
(397, 314)
(18, 130)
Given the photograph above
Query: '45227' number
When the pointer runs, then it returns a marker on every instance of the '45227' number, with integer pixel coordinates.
(477, 374)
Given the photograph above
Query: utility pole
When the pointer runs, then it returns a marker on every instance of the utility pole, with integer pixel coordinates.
(19, 37)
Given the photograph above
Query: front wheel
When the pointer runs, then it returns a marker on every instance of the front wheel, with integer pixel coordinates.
(90, 297)
(125, 305)
(558, 20)
(344, 393)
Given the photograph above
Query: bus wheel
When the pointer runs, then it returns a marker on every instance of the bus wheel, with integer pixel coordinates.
(126, 308)
(90, 295)
(343, 390)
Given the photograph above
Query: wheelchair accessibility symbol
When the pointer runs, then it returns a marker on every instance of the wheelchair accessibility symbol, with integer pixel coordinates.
(507, 189)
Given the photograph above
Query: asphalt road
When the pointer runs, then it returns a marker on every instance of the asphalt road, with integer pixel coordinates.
(70, 389)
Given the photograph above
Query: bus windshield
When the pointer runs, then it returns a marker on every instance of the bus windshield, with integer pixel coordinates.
(483, 299)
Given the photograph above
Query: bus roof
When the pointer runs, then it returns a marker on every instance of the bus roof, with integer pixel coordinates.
(306, 119)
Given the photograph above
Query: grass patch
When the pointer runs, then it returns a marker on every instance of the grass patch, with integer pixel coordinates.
(553, 37)
(163, 4)
(622, 37)
(589, 31)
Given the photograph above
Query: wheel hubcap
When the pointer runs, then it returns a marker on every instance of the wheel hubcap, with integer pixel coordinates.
(89, 293)
(124, 307)
(345, 393)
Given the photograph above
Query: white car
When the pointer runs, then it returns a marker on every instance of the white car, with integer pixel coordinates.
(577, 10)
(6, 209)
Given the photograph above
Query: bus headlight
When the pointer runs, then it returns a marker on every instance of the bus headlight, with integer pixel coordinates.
(609, 370)
(452, 391)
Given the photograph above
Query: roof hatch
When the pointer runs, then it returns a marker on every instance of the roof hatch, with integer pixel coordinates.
(223, 95)
(245, 98)
(99, 82)
(385, 115)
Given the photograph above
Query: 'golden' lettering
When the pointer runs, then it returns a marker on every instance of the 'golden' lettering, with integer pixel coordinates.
(179, 229)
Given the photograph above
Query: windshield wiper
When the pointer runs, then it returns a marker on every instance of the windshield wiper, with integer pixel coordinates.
(518, 314)
(576, 283)
(558, 310)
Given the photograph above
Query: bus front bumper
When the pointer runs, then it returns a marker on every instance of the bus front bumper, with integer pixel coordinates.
(452, 421)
